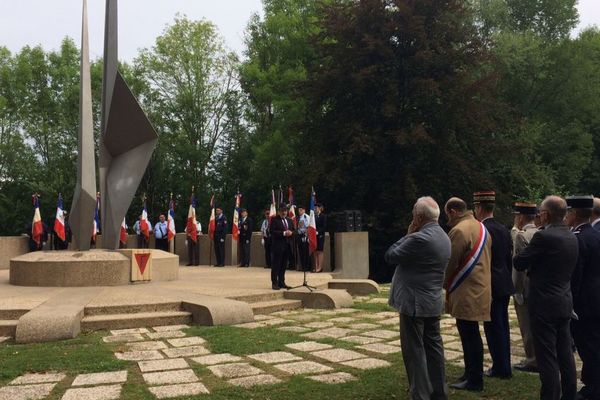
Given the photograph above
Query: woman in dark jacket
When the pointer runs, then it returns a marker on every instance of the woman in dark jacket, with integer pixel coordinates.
(321, 222)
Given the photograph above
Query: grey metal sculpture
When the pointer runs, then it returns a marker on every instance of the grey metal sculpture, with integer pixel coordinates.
(127, 142)
(84, 199)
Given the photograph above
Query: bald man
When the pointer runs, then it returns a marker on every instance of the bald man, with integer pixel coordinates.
(550, 260)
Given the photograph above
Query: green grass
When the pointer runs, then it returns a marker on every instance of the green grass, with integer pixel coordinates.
(89, 354)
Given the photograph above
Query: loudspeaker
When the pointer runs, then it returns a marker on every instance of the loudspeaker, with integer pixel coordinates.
(345, 221)
(357, 221)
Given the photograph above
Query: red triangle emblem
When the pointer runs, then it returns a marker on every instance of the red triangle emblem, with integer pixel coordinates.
(142, 261)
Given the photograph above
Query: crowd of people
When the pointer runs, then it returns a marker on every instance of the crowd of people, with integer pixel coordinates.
(548, 262)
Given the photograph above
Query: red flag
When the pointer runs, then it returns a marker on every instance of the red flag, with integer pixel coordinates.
(235, 230)
(59, 221)
(212, 221)
(144, 226)
(292, 210)
(37, 227)
(312, 224)
(191, 227)
(273, 210)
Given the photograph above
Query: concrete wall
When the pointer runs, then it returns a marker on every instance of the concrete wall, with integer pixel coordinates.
(352, 255)
(10, 247)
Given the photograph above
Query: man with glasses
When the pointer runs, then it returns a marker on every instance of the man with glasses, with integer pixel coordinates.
(550, 260)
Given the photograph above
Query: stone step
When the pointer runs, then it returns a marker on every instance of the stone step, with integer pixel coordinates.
(9, 314)
(268, 307)
(259, 297)
(135, 320)
(132, 308)
(8, 327)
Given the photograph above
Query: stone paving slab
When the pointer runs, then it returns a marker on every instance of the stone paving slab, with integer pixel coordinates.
(236, 370)
(131, 337)
(338, 355)
(4, 339)
(216, 359)
(255, 380)
(304, 317)
(380, 348)
(29, 379)
(308, 346)
(163, 365)
(303, 367)
(336, 377)
(342, 320)
(452, 355)
(100, 378)
(326, 312)
(250, 325)
(285, 312)
(170, 377)
(128, 331)
(361, 339)
(166, 335)
(449, 338)
(26, 392)
(139, 355)
(390, 321)
(456, 346)
(274, 321)
(389, 314)
(274, 357)
(361, 326)
(187, 389)
(111, 392)
(319, 324)
(344, 310)
(395, 343)
(329, 332)
(367, 363)
(190, 351)
(382, 333)
(186, 341)
(151, 345)
(370, 316)
(263, 317)
(169, 328)
(295, 329)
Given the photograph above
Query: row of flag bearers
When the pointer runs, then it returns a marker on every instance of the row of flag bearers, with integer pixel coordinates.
(165, 230)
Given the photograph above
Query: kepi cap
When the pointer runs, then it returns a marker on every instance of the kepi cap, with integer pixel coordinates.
(487, 196)
(580, 202)
(525, 208)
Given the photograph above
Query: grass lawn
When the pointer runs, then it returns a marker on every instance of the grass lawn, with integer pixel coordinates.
(89, 353)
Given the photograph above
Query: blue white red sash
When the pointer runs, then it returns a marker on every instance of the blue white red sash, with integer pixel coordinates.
(469, 263)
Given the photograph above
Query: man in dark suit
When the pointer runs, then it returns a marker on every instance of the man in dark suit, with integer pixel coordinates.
(220, 234)
(585, 286)
(281, 237)
(550, 260)
(595, 218)
(245, 227)
(497, 331)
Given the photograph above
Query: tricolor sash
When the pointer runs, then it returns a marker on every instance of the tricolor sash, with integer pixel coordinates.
(470, 261)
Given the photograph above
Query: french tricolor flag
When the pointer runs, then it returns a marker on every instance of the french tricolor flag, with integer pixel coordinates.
(292, 210)
(123, 233)
(37, 227)
(144, 227)
(96, 228)
(191, 228)
(212, 222)
(59, 221)
(273, 210)
(235, 230)
(312, 224)
(171, 220)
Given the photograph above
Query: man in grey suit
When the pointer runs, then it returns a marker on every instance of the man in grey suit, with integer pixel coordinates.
(421, 258)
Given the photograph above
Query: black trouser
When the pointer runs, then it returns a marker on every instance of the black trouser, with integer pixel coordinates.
(142, 242)
(162, 244)
(193, 251)
(472, 350)
(244, 252)
(279, 260)
(554, 354)
(586, 333)
(303, 251)
(497, 333)
(220, 250)
(292, 254)
(267, 251)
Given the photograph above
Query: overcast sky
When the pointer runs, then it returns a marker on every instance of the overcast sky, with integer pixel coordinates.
(47, 22)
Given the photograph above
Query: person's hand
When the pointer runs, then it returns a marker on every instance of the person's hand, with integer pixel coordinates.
(411, 228)
(262, 241)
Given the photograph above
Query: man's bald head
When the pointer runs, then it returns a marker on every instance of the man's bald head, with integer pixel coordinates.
(555, 207)
(456, 204)
(596, 209)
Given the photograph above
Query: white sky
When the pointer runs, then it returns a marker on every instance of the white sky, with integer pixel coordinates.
(47, 22)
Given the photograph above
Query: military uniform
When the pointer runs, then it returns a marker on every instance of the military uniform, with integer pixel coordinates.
(219, 240)
(244, 240)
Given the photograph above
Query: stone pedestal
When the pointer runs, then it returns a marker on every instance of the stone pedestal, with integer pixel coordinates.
(352, 255)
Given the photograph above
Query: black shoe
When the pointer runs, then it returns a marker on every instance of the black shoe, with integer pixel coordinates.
(465, 385)
(491, 374)
(284, 286)
(275, 287)
(188, 265)
(526, 368)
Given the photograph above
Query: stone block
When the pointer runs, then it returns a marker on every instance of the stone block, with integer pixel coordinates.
(380, 348)
(170, 377)
(11, 247)
(132, 337)
(163, 365)
(360, 339)
(29, 379)
(303, 368)
(236, 370)
(338, 355)
(382, 334)
(100, 378)
(139, 355)
(295, 329)
(367, 363)
(110, 392)
(319, 324)
(187, 389)
(255, 380)
(352, 255)
(165, 335)
(26, 392)
(274, 357)
(356, 287)
(308, 346)
(326, 298)
(128, 331)
(186, 341)
(329, 332)
(169, 328)
(152, 345)
(190, 351)
(214, 359)
(336, 377)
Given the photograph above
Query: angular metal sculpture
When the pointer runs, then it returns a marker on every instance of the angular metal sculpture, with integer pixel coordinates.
(127, 142)
(84, 199)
